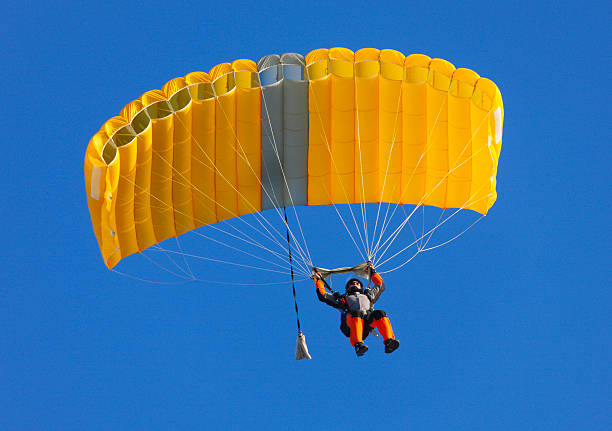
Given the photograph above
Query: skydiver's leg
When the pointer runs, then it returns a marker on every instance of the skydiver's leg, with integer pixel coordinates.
(380, 321)
(356, 325)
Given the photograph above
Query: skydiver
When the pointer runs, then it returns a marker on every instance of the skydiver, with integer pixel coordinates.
(358, 316)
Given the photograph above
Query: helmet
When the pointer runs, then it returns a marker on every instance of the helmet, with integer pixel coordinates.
(354, 285)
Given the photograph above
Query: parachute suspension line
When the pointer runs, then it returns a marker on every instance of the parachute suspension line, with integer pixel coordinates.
(181, 269)
(178, 245)
(158, 248)
(185, 279)
(430, 232)
(383, 226)
(248, 163)
(183, 275)
(302, 266)
(422, 224)
(416, 253)
(362, 205)
(240, 250)
(421, 249)
(145, 280)
(414, 234)
(258, 218)
(297, 317)
(407, 218)
(433, 231)
(453, 238)
(257, 215)
(213, 167)
(308, 262)
(166, 206)
(331, 156)
(195, 256)
(276, 283)
(394, 235)
(459, 165)
(314, 98)
(382, 192)
(350, 234)
(276, 203)
(189, 183)
(188, 275)
(429, 135)
(133, 277)
(248, 241)
(274, 145)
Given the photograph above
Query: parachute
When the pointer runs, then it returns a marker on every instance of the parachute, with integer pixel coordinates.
(334, 127)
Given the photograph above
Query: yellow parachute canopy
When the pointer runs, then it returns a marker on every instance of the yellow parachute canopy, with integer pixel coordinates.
(335, 126)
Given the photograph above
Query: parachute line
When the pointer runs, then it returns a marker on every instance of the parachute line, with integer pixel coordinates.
(248, 163)
(453, 238)
(150, 281)
(240, 250)
(216, 228)
(178, 245)
(363, 205)
(430, 143)
(325, 138)
(298, 246)
(424, 235)
(382, 192)
(179, 267)
(398, 230)
(224, 261)
(164, 268)
(286, 182)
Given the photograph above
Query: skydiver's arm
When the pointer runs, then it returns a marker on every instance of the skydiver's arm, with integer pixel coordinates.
(379, 287)
(326, 297)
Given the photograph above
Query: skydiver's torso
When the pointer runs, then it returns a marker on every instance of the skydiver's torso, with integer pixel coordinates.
(358, 302)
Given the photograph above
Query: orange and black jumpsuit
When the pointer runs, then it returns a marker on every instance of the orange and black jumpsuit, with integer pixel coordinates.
(358, 315)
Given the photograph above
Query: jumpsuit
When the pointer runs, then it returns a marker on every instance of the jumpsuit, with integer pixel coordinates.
(358, 316)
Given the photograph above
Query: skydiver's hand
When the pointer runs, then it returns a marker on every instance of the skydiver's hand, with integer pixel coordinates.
(336, 295)
(370, 268)
(318, 276)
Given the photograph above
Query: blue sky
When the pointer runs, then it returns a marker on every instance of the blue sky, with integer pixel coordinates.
(506, 328)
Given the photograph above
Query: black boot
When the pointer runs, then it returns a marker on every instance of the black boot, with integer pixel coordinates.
(390, 345)
(360, 349)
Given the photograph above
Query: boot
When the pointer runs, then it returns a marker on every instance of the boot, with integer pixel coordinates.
(390, 345)
(360, 349)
